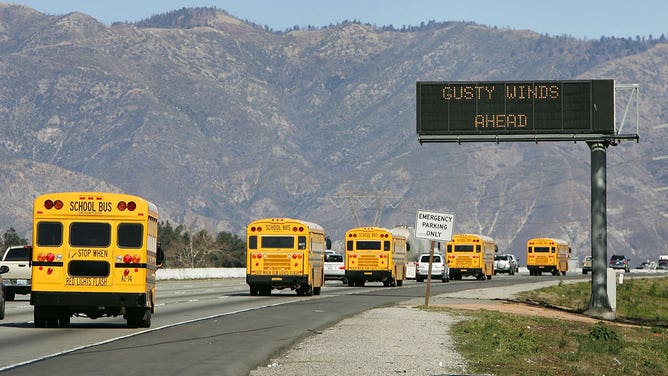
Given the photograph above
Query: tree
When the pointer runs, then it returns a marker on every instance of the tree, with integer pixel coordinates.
(10, 238)
(233, 250)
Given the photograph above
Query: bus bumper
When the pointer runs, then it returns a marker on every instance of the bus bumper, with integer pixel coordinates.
(277, 281)
(457, 273)
(368, 275)
(75, 299)
(539, 269)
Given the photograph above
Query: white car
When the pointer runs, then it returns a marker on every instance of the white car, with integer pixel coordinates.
(505, 264)
(439, 269)
(334, 267)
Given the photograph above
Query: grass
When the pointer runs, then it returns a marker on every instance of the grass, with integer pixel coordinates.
(511, 344)
(641, 300)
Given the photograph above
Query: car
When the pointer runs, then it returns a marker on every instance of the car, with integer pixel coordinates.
(334, 267)
(506, 263)
(3, 269)
(620, 262)
(647, 265)
(439, 269)
(662, 265)
(18, 279)
(586, 265)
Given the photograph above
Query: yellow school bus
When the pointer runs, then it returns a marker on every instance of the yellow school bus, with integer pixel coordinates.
(470, 255)
(375, 254)
(547, 255)
(285, 253)
(94, 254)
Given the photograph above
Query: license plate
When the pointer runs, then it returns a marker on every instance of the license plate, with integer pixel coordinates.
(22, 282)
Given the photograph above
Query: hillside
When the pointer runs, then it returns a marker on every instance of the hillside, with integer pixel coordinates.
(220, 121)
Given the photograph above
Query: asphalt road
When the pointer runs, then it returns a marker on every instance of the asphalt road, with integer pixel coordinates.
(200, 327)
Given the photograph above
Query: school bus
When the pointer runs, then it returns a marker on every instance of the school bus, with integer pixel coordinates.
(285, 253)
(547, 255)
(94, 254)
(470, 255)
(375, 254)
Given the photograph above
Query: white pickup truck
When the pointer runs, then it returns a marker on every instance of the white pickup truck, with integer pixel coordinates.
(18, 280)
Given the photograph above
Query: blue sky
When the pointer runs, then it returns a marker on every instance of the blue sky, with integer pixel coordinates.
(578, 18)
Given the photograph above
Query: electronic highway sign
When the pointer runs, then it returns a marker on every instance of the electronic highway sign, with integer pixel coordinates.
(465, 111)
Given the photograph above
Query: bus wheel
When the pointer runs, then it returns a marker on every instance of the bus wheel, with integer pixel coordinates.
(351, 282)
(400, 282)
(305, 290)
(64, 320)
(265, 291)
(316, 291)
(254, 290)
(40, 317)
(138, 317)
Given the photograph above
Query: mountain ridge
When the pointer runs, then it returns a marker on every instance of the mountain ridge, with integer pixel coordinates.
(225, 122)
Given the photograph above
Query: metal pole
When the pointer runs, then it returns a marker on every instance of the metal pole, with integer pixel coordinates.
(431, 262)
(599, 304)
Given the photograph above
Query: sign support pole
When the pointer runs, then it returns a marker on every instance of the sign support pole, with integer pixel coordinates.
(431, 262)
(599, 305)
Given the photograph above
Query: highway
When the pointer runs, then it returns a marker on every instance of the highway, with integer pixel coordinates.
(200, 327)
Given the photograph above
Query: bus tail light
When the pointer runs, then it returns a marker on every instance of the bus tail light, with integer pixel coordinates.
(49, 204)
(130, 206)
(50, 257)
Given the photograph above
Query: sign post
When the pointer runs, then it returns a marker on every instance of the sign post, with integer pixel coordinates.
(436, 227)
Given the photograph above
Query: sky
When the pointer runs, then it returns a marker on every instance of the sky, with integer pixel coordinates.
(582, 19)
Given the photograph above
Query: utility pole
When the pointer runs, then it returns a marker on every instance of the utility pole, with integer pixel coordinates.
(366, 200)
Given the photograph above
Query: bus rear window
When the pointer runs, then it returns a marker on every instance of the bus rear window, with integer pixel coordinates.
(85, 268)
(464, 248)
(130, 235)
(49, 234)
(541, 249)
(90, 234)
(278, 242)
(368, 245)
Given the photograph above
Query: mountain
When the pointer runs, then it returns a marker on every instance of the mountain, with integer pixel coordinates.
(220, 121)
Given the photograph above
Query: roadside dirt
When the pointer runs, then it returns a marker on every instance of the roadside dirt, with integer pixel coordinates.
(521, 309)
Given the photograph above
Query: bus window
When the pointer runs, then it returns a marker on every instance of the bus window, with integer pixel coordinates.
(478, 248)
(349, 245)
(49, 233)
(368, 245)
(463, 248)
(278, 242)
(90, 234)
(130, 235)
(87, 268)
(301, 242)
(542, 249)
(252, 242)
(386, 245)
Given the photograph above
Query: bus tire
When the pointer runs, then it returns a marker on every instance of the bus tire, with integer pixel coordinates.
(39, 317)
(400, 282)
(10, 296)
(64, 320)
(351, 282)
(316, 291)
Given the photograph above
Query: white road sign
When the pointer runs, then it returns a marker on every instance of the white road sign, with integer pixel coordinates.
(434, 225)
